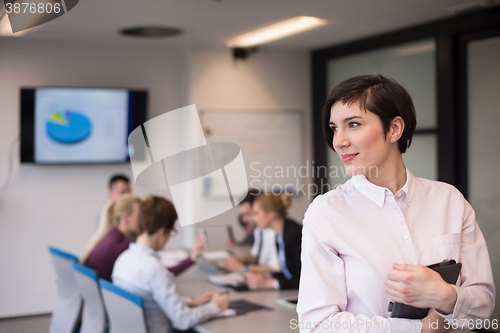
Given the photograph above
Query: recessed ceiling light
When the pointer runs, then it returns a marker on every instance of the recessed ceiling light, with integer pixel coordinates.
(276, 31)
(151, 31)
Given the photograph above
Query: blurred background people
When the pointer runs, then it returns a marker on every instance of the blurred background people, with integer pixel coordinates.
(270, 212)
(263, 256)
(122, 224)
(139, 271)
(118, 185)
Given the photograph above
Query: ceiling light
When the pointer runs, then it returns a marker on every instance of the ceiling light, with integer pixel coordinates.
(276, 31)
(151, 31)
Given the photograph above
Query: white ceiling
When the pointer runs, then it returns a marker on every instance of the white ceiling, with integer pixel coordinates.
(210, 22)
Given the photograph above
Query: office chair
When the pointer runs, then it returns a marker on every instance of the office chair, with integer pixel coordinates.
(69, 302)
(125, 310)
(94, 315)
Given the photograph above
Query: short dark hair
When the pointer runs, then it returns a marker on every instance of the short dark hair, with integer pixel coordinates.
(377, 94)
(118, 177)
(156, 213)
(252, 193)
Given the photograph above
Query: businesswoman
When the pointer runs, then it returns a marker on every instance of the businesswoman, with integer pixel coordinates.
(367, 242)
(270, 211)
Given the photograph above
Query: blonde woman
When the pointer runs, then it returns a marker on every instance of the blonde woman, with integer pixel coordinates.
(119, 184)
(108, 222)
(270, 211)
(121, 222)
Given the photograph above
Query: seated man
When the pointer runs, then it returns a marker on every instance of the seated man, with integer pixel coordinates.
(139, 271)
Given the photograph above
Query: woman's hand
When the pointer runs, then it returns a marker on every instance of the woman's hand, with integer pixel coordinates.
(198, 248)
(233, 264)
(259, 281)
(205, 298)
(420, 286)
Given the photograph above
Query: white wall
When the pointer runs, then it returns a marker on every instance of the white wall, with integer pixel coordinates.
(269, 79)
(58, 205)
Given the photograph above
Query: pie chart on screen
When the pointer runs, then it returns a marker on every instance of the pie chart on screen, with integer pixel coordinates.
(68, 127)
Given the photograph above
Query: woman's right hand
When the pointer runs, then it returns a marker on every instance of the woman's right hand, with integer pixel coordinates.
(222, 300)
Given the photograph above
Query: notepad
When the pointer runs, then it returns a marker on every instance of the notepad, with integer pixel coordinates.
(226, 313)
(228, 280)
(216, 255)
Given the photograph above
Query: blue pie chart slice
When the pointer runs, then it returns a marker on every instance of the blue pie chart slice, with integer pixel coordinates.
(68, 127)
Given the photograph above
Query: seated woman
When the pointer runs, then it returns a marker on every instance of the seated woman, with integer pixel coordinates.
(269, 212)
(122, 217)
(119, 184)
(139, 271)
(263, 256)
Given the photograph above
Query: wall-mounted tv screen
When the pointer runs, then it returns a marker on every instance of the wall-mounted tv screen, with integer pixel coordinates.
(79, 125)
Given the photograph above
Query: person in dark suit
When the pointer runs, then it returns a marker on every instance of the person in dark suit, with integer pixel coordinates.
(270, 211)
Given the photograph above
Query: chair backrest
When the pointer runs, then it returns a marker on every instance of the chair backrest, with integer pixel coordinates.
(125, 310)
(68, 302)
(94, 315)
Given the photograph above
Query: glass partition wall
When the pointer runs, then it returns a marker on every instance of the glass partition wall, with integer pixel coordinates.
(483, 82)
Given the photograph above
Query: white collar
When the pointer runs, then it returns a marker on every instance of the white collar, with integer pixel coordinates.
(377, 193)
(142, 249)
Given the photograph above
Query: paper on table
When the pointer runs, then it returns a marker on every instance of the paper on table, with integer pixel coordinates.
(231, 279)
(170, 258)
(226, 313)
(216, 255)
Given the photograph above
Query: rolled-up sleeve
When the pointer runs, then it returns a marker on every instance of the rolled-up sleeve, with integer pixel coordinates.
(180, 314)
(322, 293)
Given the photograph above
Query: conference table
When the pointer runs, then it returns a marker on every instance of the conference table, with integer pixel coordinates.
(193, 282)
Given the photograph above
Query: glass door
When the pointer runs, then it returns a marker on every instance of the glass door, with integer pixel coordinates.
(483, 122)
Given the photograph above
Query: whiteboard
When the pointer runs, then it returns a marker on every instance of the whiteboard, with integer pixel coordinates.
(272, 144)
